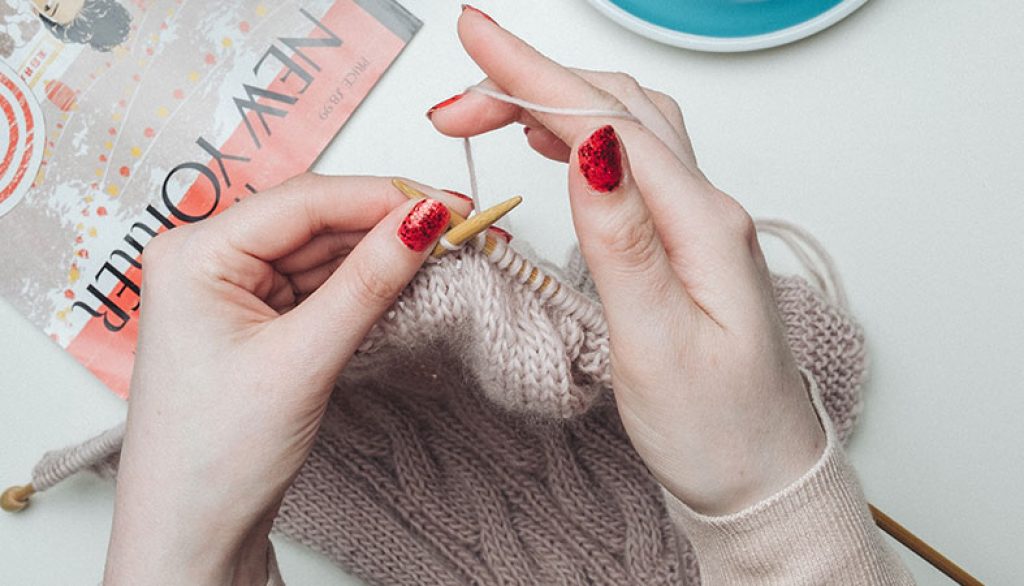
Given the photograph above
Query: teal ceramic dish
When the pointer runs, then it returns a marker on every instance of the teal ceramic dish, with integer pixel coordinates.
(727, 25)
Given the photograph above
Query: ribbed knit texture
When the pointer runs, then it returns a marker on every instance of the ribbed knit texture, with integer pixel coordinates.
(497, 456)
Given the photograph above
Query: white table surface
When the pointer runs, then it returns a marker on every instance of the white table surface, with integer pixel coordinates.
(897, 137)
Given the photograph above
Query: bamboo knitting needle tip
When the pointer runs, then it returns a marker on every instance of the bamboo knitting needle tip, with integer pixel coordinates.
(413, 193)
(456, 218)
(473, 226)
(15, 498)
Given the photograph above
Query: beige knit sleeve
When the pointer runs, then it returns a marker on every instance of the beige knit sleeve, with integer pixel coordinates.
(818, 530)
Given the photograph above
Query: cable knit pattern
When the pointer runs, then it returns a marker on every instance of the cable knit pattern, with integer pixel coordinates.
(496, 456)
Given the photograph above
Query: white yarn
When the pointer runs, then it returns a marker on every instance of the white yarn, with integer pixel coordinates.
(805, 247)
(533, 107)
(447, 245)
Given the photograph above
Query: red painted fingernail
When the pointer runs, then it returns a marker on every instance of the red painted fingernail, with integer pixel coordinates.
(466, 7)
(444, 104)
(426, 221)
(600, 159)
(462, 196)
(526, 130)
(503, 234)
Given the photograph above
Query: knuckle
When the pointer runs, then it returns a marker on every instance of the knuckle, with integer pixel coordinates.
(162, 248)
(737, 220)
(372, 287)
(635, 244)
(668, 105)
(626, 85)
(182, 250)
(299, 182)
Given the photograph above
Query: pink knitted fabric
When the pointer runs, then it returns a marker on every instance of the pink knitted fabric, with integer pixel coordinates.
(497, 456)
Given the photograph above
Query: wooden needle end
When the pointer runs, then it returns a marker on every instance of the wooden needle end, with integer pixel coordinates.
(409, 191)
(15, 498)
(474, 225)
(412, 193)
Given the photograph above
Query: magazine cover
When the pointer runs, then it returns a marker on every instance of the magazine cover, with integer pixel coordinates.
(138, 116)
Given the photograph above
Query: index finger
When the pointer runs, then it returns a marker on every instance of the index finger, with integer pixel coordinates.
(704, 232)
(523, 72)
(272, 224)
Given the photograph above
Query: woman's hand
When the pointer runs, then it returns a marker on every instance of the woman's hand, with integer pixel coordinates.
(249, 317)
(707, 387)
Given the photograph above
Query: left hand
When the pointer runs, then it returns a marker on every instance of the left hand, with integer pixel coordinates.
(706, 384)
(249, 318)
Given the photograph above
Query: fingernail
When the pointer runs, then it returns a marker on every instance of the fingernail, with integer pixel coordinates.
(526, 130)
(502, 234)
(600, 159)
(466, 7)
(426, 221)
(444, 104)
(461, 196)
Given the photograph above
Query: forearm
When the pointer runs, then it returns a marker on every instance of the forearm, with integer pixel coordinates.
(818, 530)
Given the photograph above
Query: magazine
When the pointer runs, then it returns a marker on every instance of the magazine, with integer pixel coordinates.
(143, 115)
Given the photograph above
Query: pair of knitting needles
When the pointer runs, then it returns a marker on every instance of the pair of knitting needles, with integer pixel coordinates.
(464, 230)
(16, 498)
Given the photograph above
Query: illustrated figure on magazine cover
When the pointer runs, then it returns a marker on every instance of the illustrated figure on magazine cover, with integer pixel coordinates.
(100, 24)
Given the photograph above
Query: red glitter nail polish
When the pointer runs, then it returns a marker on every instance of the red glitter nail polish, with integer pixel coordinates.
(461, 196)
(466, 7)
(600, 158)
(444, 104)
(426, 221)
(502, 234)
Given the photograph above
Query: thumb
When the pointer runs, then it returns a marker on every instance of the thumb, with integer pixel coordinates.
(335, 318)
(620, 242)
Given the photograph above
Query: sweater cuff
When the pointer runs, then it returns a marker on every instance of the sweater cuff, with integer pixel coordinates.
(817, 530)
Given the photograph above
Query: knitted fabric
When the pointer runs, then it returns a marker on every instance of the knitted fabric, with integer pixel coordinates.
(496, 456)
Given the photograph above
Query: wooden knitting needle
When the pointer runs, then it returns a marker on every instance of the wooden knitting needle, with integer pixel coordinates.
(489, 245)
(922, 549)
(477, 224)
(480, 222)
(413, 193)
(16, 498)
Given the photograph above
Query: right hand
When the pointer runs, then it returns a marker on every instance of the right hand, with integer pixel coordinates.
(707, 387)
(250, 316)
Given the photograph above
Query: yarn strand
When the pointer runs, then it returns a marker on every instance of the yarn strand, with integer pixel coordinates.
(533, 107)
(812, 256)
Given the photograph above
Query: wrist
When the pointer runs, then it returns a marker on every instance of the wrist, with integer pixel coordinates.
(252, 561)
(154, 543)
(750, 464)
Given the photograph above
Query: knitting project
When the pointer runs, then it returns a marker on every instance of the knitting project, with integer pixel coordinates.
(497, 455)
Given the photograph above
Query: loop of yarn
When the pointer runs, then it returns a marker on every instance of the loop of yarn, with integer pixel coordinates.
(812, 257)
(447, 245)
(533, 107)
